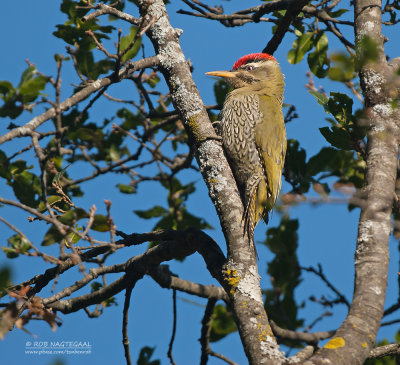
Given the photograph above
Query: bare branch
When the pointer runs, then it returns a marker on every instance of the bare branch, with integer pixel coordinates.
(125, 338)
(174, 316)
(177, 244)
(291, 13)
(163, 276)
(205, 331)
(79, 96)
(310, 338)
(106, 9)
(302, 355)
(387, 350)
(205, 336)
(321, 275)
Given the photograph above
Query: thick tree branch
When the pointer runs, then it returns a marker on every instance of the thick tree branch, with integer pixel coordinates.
(310, 338)
(302, 355)
(177, 245)
(356, 336)
(240, 276)
(163, 276)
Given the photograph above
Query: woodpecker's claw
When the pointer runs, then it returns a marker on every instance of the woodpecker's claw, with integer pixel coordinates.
(215, 138)
(217, 127)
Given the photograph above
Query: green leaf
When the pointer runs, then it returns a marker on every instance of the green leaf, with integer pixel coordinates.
(221, 89)
(10, 252)
(321, 98)
(295, 171)
(300, 47)
(95, 286)
(72, 216)
(131, 121)
(153, 80)
(27, 75)
(5, 88)
(85, 61)
(5, 281)
(26, 187)
(74, 33)
(145, 357)
(18, 167)
(397, 336)
(114, 153)
(10, 97)
(338, 13)
(126, 189)
(367, 51)
(126, 42)
(72, 237)
(189, 220)
(337, 137)
(318, 58)
(109, 302)
(20, 244)
(101, 223)
(342, 67)
(321, 160)
(156, 211)
(52, 236)
(11, 109)
(4, 166)
(283, 242)
(340, 106)
(69, 7)
(102, 67)
(30, 89)
(222, 323)
(51, 200)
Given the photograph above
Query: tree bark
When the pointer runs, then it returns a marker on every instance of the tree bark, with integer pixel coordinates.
(240, 276)
(356, 336)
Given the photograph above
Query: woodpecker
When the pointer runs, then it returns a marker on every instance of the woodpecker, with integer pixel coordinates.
(253, 133)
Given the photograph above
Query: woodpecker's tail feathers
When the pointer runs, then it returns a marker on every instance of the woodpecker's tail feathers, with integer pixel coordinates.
(249, 219)
(249, 213)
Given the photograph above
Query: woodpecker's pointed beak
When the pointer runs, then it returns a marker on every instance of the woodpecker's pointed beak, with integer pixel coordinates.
(229, 74)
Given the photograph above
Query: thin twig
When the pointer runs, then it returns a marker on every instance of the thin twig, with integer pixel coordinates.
(322, 276)
(106, 9)
(310, 338)
(125, 337)
(205, 336)
(171, 342)
(291, 13)
(205, 331)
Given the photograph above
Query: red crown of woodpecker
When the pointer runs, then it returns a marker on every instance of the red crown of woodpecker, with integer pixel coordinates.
(251, 58)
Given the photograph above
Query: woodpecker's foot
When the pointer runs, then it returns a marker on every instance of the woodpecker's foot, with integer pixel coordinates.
(217, 127)
(216, 124)
(215, 138)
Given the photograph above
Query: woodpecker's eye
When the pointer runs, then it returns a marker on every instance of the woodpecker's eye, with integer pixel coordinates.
(249, 68)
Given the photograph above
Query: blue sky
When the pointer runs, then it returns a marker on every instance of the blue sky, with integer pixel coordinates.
(327, 234)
